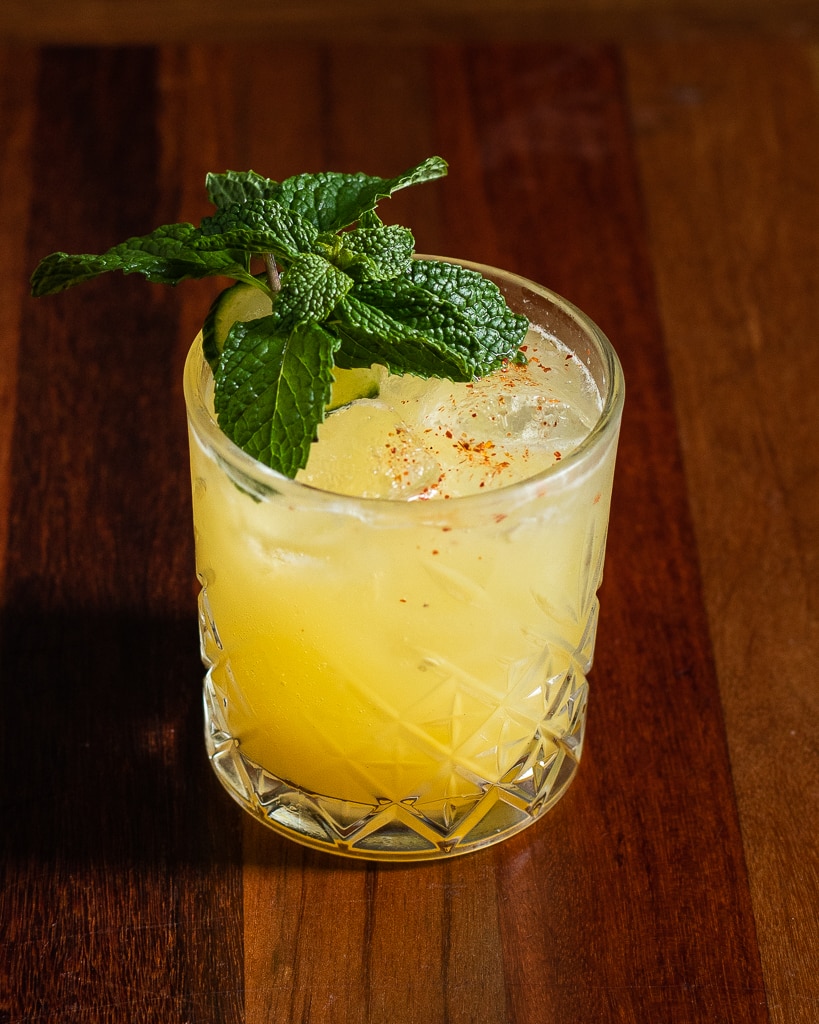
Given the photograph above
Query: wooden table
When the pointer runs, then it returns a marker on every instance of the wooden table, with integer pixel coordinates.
(668, 185)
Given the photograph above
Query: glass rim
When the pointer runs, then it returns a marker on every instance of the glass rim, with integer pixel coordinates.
(197, 372)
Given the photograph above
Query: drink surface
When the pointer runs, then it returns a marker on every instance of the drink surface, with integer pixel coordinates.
(421, 439)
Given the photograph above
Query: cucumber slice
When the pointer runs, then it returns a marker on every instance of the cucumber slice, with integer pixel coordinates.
(238, 302)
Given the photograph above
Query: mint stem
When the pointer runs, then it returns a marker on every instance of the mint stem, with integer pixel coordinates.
(273, 278)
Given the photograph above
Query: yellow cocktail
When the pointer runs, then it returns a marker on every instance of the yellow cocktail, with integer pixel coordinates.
(399, 671)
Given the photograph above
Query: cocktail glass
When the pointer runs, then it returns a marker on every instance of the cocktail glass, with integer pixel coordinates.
(402, 680)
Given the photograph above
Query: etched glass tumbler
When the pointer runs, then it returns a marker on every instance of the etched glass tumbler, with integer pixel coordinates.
(401, 680)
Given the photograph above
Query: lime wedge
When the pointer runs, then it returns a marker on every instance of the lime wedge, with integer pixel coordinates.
(351, 385)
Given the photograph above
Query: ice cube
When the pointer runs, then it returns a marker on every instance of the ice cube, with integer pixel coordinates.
(386, 459)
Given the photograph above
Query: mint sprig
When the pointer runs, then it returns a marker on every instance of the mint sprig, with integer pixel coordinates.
(349, 294)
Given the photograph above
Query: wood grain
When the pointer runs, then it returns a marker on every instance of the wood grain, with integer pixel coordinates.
(113, 22)
(119, 882)
(729, 161)
(17, 72)
(669, 187)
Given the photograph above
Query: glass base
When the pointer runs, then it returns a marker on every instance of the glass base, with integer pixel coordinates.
(401, 830)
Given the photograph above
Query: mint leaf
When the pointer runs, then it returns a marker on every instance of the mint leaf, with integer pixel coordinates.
(167, 255)
(237, 187)
(437, 320)
(257, 226)
(272, 388)
(310, 290)
(329, 200)
(334, 201)
(496, 332)
(376, 253)
(372, 335)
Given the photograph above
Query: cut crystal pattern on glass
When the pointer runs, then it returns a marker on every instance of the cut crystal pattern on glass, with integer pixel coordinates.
(418, 827)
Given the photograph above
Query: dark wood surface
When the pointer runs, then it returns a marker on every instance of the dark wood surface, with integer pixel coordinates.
(670, 187)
